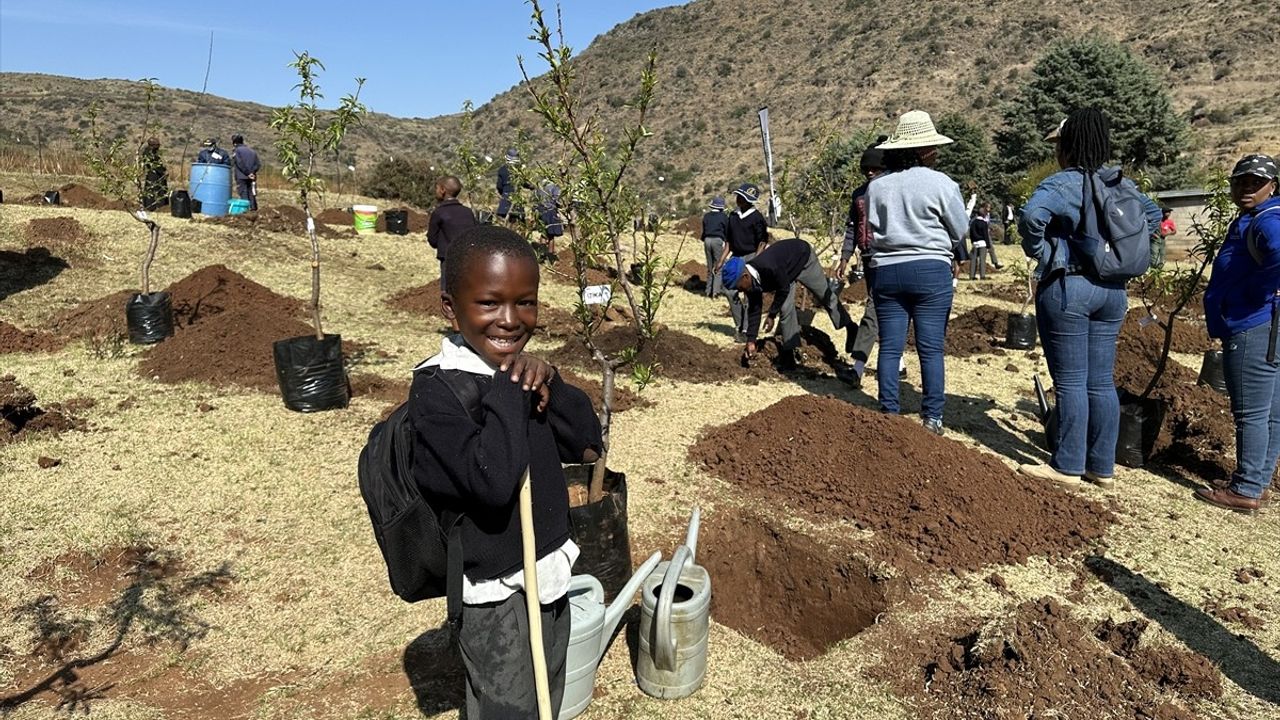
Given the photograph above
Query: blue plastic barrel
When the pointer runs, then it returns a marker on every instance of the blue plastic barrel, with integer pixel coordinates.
(211, 185)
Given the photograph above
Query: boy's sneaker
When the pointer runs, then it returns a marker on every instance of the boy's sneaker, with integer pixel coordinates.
(1106, 482)
(1046, 472)
(934, 425)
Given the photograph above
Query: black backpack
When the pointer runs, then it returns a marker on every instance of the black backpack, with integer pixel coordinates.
(422, 547)
(1114, 242)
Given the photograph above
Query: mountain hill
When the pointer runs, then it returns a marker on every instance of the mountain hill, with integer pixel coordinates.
(818, 65)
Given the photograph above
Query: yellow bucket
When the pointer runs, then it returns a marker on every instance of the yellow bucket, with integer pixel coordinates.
(365, 218)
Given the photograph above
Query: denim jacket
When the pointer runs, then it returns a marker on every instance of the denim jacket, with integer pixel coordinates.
(1241, 292)
(1052, 216)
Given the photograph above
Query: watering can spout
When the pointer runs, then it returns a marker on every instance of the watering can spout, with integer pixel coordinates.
(613, 614)
(691, 540)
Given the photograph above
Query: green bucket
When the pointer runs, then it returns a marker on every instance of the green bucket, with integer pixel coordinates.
(365, 218)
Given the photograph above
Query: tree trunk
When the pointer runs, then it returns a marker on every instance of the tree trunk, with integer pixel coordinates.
(595, 492)
(315, 270)
(150, 256)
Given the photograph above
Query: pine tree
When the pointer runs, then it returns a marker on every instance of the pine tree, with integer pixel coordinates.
(1146, 133)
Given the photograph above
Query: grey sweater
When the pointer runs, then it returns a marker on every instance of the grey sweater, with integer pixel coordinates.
(914, 214)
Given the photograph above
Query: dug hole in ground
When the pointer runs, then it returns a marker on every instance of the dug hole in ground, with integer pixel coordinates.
(183, 546)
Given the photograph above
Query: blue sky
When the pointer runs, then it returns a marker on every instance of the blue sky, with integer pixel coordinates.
(420, 59)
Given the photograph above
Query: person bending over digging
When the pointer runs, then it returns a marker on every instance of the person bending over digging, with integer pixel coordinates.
(470, 461)
(775, 270)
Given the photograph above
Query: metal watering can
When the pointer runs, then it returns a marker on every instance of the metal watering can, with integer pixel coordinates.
(591, 628)
(675, 617)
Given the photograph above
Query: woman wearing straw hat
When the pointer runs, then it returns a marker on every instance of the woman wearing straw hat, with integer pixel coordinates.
(916, 215)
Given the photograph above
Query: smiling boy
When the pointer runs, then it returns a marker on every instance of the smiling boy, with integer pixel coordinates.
(470, 460)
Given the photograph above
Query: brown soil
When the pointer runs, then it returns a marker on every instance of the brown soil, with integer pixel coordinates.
(854, 293)
(1016, 293)
(78, 196)
(927, 499)
(338, 216)
(679, 356)
(980, 331)
(230, 348)
(1198, 432)
(55, 230)
(15, 339)
(1039, 661)
(785, 589)
(282, 219)
(20, 416)
(562, 269)
(420, 300)
(1189, 335)
(208, 291)
(623, 398)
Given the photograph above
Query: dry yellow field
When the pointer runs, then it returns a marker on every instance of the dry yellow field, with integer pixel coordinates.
(262, 594)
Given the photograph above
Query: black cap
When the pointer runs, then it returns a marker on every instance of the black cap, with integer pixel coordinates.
(1261, 165)
(873, 156)
(237, 139)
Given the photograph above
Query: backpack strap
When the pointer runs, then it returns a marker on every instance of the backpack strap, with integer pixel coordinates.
(1251, 237)
(464, 389)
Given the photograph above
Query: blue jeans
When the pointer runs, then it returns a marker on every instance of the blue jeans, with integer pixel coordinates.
(1254, 387)
(917, 292)
(1079, 322)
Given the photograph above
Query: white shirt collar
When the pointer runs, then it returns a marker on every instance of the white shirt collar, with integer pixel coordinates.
(755, 274)
(456, 354)
(744, 213)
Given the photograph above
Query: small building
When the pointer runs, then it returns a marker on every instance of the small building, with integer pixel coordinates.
(1185, 204)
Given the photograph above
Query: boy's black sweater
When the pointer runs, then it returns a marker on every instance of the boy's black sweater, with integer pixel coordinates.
(746, 233)
(715, 224)
(475, 469)
(778, 267)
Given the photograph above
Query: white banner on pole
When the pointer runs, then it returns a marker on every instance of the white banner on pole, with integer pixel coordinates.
(775, 202)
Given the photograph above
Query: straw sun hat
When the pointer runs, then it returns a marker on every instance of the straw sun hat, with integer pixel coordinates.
(915, 130)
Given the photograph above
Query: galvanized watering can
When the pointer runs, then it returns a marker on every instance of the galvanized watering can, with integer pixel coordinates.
(591, 629)
(675, 615)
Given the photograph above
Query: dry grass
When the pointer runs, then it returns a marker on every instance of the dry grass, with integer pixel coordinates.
(307, 627)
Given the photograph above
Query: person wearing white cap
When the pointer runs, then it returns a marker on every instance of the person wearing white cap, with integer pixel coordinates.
(1242, 308)
(916, 215)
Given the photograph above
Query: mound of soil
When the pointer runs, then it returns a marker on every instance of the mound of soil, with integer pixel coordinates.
(679, 356)
(623, 398)
(1189, 335)
(977, 332)
(417, 221)
(282, 219)
(854, 293)
(208, 291)
(1015, 293)
(59, 230)
(420, 300)
(229, 348)
(1040, 662)
(927, 499)
(598, 272)
(15, 339)
(20, 416)
(1198, 433)
(79, 196)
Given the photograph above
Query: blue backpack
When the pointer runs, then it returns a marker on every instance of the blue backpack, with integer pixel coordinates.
(1113, 242)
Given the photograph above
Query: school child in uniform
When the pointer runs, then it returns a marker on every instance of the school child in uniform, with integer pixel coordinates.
(747, 235)
(775, 271)
(470, 462)
(449, 220)
(715, 227)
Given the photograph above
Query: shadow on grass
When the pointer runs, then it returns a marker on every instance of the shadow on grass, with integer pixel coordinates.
(153, 609)
(31, 268)
(435, 671)
(1256, 672)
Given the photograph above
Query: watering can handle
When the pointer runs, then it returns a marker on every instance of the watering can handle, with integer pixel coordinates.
(664, 652)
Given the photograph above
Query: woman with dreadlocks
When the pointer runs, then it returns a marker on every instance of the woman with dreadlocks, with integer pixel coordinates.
(1078, 315)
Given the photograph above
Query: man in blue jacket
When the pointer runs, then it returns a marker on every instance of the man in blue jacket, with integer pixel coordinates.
(244, 161)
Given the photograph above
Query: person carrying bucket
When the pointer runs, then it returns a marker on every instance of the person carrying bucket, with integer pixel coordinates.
(245, 162)
(471, 457)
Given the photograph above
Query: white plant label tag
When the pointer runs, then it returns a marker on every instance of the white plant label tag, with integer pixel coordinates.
(596, 294)
(311, 225)
(142, 215)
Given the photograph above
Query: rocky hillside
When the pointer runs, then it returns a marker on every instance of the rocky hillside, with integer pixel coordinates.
(817, 64)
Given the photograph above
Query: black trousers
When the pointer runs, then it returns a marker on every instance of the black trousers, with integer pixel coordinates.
(494, 640)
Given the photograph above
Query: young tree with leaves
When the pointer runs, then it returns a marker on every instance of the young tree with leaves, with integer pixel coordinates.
(302, 136)
(599, 209)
